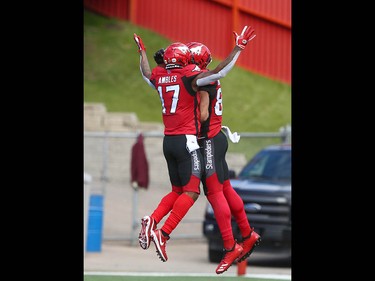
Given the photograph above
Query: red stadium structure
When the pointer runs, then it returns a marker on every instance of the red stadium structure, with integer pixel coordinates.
(212, 22)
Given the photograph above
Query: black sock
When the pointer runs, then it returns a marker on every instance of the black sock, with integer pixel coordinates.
(165, 234)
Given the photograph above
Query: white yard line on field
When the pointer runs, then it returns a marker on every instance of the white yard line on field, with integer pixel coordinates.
(263, 276)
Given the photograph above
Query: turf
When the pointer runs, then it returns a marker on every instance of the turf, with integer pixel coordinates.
(252, 103)
(171, 278)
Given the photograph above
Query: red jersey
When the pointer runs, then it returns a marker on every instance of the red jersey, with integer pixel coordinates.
(178, 100)
(212, 126)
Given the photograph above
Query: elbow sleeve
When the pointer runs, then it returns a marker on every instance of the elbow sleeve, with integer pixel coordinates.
(222, 73)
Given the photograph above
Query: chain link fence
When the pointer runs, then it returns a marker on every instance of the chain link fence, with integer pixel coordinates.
(107, 160)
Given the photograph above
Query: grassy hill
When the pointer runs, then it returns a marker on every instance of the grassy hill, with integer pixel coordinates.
(252, 103)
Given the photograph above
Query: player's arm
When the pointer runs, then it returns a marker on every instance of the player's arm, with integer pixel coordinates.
(225, 66)
(203, 105)
(204, 114)
(144, 65)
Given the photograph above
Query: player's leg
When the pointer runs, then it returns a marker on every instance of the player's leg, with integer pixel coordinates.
(213, 153)
(189, 169)
(250, 239)
(149, 223)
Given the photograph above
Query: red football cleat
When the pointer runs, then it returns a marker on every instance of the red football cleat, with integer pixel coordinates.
(144, 236)
(248, 244)
(160, 242)
(228, 259)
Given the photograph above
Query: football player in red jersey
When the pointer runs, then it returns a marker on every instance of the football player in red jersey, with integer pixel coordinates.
(180, 146)
(223, 198)
(177, 85)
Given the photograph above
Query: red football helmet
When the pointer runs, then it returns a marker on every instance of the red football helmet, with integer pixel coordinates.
(201, 55)
(176, 55)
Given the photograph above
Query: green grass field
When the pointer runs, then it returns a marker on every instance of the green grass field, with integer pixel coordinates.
(171, 278)
(252, 103)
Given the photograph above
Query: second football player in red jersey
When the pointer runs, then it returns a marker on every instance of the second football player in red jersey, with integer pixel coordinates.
(223, 198)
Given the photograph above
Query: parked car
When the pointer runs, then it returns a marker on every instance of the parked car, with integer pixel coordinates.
(264, 184)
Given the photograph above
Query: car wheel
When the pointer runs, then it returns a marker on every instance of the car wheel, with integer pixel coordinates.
(215, 255)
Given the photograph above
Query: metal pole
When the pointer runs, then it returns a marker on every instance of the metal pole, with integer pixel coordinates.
(86, 200)
(104, 173)
(133, 235)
